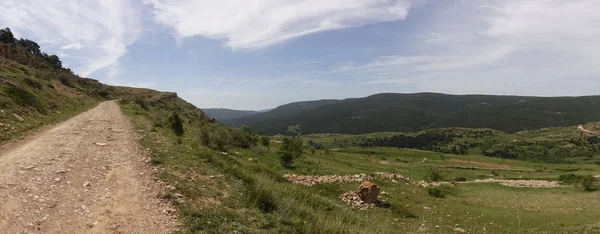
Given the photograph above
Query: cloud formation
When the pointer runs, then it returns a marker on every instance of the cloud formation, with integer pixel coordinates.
(502, 46)
(92, 34)
(248, 25)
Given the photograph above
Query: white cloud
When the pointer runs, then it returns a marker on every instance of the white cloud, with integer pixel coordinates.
(542, 47)
(91, 34)
(248, 25)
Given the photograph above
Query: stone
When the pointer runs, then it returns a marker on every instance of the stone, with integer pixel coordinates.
(18, 117)
(101, 144)
(368, 192)
(459, 230)
(86, 184)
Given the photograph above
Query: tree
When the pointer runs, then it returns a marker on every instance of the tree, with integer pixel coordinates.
(176, 124)
(6, 36)
(291, 148)
(53, 61)
(30, 46)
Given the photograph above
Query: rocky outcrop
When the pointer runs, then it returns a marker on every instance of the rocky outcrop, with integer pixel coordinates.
(368, 192)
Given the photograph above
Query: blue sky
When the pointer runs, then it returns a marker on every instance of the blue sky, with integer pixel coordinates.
(263, 53)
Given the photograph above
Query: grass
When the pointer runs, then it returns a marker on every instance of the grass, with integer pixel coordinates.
(231, 193)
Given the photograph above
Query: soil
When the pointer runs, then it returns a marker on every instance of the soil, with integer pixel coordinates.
(85, 175)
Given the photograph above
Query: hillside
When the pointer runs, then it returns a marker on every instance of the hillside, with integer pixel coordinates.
(221, 114)
(420, 111)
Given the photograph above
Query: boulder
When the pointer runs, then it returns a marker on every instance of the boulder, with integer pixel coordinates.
(368, 192)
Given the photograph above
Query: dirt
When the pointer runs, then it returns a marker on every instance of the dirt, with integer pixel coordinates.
(489, 165)
(86, 175)
(580, 127)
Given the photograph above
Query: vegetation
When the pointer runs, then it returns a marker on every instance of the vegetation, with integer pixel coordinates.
(176, 124)
(416, 112)
(291, 149)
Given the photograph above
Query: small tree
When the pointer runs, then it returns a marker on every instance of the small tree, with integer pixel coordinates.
(265, 141)
(291, 148)
(6, 36)
(176, 124)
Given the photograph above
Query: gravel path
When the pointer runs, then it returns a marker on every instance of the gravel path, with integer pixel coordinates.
(86, 175)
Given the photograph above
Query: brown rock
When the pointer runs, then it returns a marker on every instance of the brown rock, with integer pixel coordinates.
(368, 192)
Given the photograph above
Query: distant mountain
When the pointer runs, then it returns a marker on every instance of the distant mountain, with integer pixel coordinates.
(413, 112)
(221, 114)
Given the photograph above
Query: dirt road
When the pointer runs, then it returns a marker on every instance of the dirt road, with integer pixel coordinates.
(86, 175)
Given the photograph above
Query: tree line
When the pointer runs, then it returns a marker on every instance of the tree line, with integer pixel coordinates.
(30, 47)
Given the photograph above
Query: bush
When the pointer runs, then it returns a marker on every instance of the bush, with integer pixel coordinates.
(265, 141)
(435, 192)
(570, 178)
(291, 148)
(33, 83)
(587, 182)
(460, 178)
(433, 175)
(142, 102)
(176, 124)
(24, 98)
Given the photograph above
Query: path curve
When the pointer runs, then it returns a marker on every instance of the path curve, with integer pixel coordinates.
(580, 127)
(85, 175)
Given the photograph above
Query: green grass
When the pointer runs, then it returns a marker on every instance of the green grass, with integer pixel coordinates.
(230, 193)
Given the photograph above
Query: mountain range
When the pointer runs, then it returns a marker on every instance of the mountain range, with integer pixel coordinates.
(420, 111)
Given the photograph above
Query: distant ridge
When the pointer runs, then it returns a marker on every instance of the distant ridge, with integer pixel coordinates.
(419, 111)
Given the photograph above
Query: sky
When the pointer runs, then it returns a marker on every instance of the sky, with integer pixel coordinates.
(258, 54)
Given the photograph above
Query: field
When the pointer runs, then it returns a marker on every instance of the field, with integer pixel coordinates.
(244, 190)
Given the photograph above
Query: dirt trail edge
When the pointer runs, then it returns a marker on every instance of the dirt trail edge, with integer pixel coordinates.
(85, 175)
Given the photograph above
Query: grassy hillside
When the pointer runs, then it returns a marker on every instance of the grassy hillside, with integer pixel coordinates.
(242, 189)
(415, 112)
(556, 145)
(221, 114)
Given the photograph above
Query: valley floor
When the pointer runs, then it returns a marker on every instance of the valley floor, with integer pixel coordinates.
(85, 175)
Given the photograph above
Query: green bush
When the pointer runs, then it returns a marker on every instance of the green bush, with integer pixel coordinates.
(435, 192)
(142, 102)
(460, 178)
(587, 182)
(176, 124)
(433, 175)
(24, 98)
(33, 83)
(265, 141)
(570, 178)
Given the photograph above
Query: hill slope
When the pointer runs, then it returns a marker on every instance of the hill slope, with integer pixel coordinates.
(221, 114)
(420, 111)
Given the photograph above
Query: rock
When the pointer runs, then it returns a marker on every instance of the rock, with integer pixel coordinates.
(57, 179)
(101, 144)
(18, 117)
(459, 229)
(253, 159)
(2, 112)
(368, 192)
(86, 184)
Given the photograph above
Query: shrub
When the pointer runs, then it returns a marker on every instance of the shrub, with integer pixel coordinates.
(33, 83)
(142, 102)
(570, 178)
(176, 124)
(587, 182)
(435, 192)
(24, 98)
(265, 141)
(291, 148)
(433, 175)
(460, 178)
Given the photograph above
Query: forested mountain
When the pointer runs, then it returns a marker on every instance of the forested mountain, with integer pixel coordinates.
(221, 114)
(420, 111)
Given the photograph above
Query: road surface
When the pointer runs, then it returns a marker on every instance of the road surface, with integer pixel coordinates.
(85, 175)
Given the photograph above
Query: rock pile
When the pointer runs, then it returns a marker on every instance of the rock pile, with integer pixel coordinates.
(312, 180)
